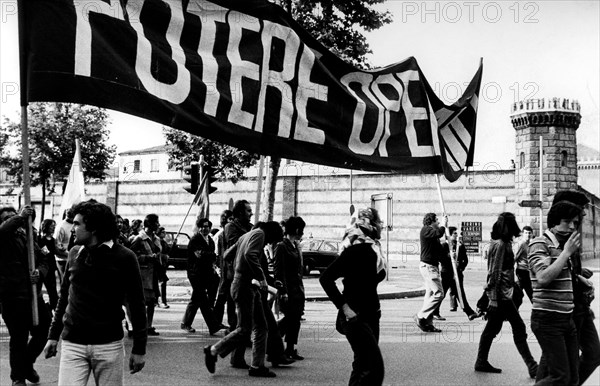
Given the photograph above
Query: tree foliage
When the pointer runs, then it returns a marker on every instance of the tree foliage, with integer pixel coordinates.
(340, 24)
(228, 162)
(53, 128)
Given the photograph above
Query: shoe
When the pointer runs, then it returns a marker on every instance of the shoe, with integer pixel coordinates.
(33, 376)
(294, 355)
(19, 382)
(209, 360)
(431, 328)
(438, 317)
(217, 329)
(453, 309)
(473, 316)
(485, 367)
(187, 328)
(282, 360)
(241, 365)
(165, 305)
(152, 332)
(421, 323)
(261, 372)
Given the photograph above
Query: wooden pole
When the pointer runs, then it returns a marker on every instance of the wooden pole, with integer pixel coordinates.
(541, 185)
(259, 180)
(25, 156)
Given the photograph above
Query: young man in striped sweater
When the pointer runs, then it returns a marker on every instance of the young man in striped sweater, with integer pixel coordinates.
(552, 310)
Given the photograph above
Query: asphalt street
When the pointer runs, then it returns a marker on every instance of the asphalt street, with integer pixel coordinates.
(411, 356)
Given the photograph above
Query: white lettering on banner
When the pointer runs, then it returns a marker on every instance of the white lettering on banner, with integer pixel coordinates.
(83, 31)
(413, 114)
(278, 79)
(240, 68)
(388, 105)
(177, 92)
(308, 90)
(209, 14)
(354, 143)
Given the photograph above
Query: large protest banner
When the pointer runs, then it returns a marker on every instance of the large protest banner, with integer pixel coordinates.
(245, 74)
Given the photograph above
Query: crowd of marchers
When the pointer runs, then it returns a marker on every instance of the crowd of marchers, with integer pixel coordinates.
(228, 270)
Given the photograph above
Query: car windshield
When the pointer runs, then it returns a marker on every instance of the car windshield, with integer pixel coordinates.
(182, 239)
(329, 246)
(310, 244)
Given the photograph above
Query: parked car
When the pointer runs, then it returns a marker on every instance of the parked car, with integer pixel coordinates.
(317, 254)
(178, 255)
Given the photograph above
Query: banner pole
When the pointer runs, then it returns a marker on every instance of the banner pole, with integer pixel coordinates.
(194, 201)
(259, 180)
(25, 156)
(541, 185)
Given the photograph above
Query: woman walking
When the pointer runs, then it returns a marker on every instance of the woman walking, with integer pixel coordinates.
(288, 271)
(47, 244)
(499, 290)
(362, 267)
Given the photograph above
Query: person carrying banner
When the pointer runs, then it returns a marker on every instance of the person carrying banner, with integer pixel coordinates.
(431, 253)
(362, 266)
(89, 314)
(16, 293)
(249, 280)
(499, 290)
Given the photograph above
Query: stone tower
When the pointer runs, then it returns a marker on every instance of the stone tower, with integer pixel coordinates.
(556, 120)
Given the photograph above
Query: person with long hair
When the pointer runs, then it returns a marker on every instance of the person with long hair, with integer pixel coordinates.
(288, 271)
(499, 290)
(362, 267)
(47, 245)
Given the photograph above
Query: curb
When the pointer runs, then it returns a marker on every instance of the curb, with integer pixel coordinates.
(414, 293)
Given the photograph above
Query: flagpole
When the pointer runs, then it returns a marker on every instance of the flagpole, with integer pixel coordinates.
(447, 235)
(25, 158)
(259, 181)
(194, 201)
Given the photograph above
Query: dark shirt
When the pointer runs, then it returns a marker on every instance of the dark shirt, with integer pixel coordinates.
(462, 260)
(15, 280)
(357, 266)
(96, 284)
(202, 264)
(288, 268)
(233, 231)
(51, 256)
(431, 248)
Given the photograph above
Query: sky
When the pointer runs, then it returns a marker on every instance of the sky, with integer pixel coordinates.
(530, 49)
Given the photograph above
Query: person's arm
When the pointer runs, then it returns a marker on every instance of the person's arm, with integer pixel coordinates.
(546, 273)
(463, 259)
(138, 247)
(252, 255)
(279, 267)
(134, 294)
(430, 232)
(495, 273)
(336, 270)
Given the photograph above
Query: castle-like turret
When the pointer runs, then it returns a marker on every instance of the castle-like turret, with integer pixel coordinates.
(555, 120)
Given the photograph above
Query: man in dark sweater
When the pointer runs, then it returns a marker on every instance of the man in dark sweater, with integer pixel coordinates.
(16, 294)
(431, 252)
(101, 276)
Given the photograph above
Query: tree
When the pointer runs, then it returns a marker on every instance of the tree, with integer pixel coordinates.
(228, 162)
(338, 25)
(53, 128)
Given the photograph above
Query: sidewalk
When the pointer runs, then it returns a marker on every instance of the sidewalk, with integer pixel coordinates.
(402, 283)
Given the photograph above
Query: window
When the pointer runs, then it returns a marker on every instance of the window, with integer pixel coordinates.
(522, 160)
(563, 158)
(154, 165)
(136, 166)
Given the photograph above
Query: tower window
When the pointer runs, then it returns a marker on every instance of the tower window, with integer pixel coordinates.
(563, 158)
(522, 160)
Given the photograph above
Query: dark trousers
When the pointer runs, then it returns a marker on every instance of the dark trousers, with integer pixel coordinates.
(274, 341)
(289, 325)
(363, 335)
(448, 283)
(50, 284)
(525, 282)
(506, 310)
(200, 299)
(589, 344)
(224, 298)
(557, 336)
(24, 351)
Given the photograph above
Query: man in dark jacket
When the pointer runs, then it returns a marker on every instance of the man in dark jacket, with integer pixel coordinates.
(101, 276)
(16, 294)
(431, 252)
(233, 230)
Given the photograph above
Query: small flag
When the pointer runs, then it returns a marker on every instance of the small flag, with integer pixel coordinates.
(75, 190)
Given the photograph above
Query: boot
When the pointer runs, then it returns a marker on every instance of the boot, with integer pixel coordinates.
(532, 365)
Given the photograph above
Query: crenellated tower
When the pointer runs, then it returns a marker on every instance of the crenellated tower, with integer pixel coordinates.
(556, 120)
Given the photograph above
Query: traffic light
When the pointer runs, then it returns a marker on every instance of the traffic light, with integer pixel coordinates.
(207, 172)
(191, 174)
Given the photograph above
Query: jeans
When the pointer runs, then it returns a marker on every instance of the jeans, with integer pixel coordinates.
(363, 336)
(589, 344)
(434, 292)
(251, 321)
(24, 351)
(200, 299)
(557, 337)
(224, 298)
(105, 361)
(525, 282)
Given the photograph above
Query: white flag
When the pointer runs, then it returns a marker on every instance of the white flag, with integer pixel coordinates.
(75, 191)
